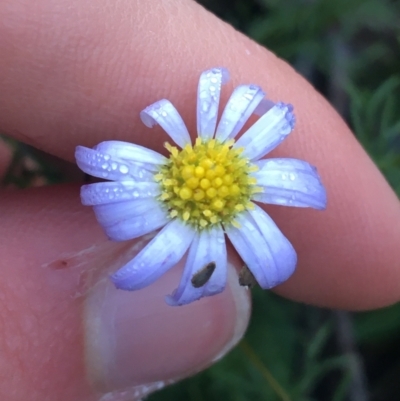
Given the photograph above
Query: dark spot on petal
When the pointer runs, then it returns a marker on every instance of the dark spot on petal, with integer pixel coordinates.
(201, 277)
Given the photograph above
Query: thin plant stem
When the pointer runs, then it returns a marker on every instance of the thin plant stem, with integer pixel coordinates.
(253, 357)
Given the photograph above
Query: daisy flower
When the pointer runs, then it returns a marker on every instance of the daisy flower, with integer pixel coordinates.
(202, 192)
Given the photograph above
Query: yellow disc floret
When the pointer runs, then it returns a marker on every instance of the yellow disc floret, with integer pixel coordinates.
(206, 184)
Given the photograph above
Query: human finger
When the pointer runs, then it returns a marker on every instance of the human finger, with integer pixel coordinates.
(67, 333)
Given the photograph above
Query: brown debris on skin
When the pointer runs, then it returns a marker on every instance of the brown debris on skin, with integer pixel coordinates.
(246, 277)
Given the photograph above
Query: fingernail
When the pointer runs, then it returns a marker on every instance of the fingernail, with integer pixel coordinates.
(134, 341)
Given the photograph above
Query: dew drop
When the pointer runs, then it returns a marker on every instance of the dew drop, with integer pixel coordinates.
(164, 113)
(107, 157)
(123, 169)
(212, 88)
(205, 106)
(292, 176)
(104, 166)
(285, 128)
(284, 176)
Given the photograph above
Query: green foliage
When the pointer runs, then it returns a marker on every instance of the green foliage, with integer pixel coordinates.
(283, 357)
(28, 167)
(375, 115)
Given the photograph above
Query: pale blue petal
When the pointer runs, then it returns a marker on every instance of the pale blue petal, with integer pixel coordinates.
(136, 226)
(289, 182)
(164, 251)
(130, 152)
(208, 246)
(267, 133)
(113, 213)
(103, 165)
(109, 192)
(217, 282)
(208, 95)
(165, 114)
(262, 246)
(185, 292)
(240, 106)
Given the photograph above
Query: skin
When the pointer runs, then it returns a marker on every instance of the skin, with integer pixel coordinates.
(78, 73)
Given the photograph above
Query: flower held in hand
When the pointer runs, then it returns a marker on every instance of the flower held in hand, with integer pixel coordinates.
(202, 191)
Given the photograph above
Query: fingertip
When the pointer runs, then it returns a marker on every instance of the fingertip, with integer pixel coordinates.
(123, 344)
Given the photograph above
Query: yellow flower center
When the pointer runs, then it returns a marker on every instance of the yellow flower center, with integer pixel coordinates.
(206, 184)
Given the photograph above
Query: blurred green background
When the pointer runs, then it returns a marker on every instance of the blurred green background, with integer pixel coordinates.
(350, 51)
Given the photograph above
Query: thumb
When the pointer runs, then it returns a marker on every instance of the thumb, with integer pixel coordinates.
(66, 334)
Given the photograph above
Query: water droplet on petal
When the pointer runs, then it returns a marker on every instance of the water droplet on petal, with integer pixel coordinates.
(107, 157)
(284, 176)
(114, 166)
(205, 106)
(123, 169)
(292, 176)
